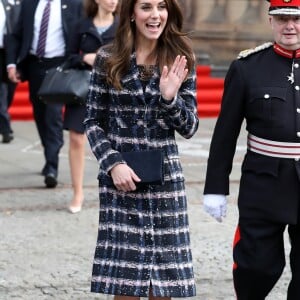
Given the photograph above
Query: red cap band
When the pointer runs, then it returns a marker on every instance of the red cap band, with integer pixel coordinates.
(285, 3)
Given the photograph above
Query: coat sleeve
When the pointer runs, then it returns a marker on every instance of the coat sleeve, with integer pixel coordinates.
(226, 132)
(75, 57)
(182, 110)
(96, 118)
(13, 38)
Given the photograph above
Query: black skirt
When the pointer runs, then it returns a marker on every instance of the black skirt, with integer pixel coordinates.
(74, 117)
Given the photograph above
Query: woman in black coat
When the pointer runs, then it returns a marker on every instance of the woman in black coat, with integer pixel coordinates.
(96, 30)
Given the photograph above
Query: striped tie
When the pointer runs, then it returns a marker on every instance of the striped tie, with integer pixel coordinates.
(40, 51)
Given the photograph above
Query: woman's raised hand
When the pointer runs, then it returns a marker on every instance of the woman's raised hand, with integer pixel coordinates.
(172, 79)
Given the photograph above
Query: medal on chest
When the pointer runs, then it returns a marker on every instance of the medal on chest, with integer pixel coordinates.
(291, 77)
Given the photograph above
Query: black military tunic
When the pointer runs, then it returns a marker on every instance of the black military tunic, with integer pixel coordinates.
(262, 87)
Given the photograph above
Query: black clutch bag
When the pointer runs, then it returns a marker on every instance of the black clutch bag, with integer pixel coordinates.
(66, 86)
(148, 165)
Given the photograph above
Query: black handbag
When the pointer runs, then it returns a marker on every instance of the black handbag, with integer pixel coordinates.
(148, 165)
(65, 85)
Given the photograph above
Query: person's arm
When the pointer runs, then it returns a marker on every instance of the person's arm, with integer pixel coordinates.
(13, 40)
(96, 122)
(226, 131)
(223, 144)
(180, 104)
(96, 118)
(74, 56)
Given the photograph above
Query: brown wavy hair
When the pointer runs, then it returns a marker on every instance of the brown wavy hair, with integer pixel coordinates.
(91, 8)
(172, 42)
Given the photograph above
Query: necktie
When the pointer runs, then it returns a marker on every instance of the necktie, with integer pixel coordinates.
(40, 51)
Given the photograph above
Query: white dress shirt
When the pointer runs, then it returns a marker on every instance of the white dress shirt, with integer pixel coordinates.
(2, 24)
(55, 43)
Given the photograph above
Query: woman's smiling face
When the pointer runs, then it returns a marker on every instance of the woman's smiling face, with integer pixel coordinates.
(150, 17)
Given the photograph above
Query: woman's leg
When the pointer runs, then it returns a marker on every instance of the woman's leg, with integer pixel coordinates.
(76, 160)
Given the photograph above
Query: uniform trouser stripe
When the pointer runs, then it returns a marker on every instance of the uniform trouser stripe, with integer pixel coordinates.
(259, 258)
(237, 237)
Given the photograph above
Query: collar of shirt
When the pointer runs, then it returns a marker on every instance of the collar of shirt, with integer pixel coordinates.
(286, 53)
(55, 43)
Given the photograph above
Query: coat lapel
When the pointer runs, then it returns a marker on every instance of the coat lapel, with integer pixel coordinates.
(131, 81)
(64, 16)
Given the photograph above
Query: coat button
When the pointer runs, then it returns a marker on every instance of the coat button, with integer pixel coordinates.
(266, 96)
(297, 87)
(298, 134)
(296, 66)
(298, 110)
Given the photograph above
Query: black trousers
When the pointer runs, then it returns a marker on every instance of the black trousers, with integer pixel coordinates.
(259, 258)
(48, 117)
(7, 89)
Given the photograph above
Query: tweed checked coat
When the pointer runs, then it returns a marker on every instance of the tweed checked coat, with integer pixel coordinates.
(143, 238)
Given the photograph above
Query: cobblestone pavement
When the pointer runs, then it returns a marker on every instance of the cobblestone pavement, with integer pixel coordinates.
(46, 252)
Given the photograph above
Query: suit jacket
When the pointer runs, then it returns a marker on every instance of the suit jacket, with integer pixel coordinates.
(257, 90)
(21, 39)
(132, 119)
(11, 14)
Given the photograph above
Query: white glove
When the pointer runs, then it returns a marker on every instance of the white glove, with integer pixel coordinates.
(215, 205)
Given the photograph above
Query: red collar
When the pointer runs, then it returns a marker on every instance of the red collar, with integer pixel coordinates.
(286, 53)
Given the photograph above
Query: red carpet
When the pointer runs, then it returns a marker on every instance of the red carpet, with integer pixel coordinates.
(209, 94)
(21, 108)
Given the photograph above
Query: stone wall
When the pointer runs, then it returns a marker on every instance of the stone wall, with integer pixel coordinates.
(220, 29)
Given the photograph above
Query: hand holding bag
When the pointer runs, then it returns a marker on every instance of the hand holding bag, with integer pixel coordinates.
(65, 85)
(148, 165)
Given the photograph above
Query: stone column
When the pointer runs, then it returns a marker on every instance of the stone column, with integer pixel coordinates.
(218, 12)
(220, 29)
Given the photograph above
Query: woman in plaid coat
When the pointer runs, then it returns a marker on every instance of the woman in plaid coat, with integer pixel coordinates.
(142, 91)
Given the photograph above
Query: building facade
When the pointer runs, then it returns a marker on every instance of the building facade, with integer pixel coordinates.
(220, 29)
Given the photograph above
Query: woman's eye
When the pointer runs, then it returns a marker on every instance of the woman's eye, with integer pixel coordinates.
(146, 7)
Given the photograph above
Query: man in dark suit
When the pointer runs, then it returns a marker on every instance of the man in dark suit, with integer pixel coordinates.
(26, 61)
(262, 88)
(9, 11)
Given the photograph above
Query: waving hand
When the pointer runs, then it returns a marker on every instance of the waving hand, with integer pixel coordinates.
(172, 79)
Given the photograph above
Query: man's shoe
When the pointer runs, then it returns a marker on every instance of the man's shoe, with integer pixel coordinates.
(50, 180)
(44, 172)
(7, 137)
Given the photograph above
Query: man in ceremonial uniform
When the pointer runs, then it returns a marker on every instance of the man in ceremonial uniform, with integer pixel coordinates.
(262, 87)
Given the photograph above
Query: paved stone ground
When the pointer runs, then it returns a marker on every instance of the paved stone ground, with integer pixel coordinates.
(46, 252)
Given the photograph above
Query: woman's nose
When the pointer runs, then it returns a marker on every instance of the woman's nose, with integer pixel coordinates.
(155, 12)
